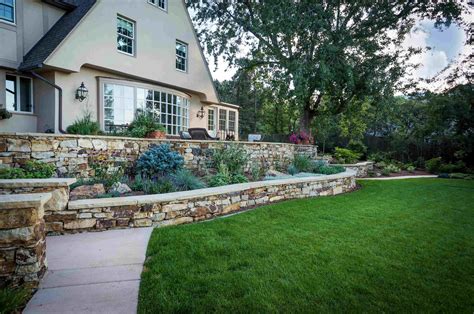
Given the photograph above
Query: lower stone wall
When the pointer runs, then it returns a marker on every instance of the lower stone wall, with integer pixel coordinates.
(186, 207)
(54, 208)
(72, 154)
(22, 239)
(362, 168)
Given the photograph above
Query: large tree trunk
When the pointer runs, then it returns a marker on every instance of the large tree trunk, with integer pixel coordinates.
(308, 114)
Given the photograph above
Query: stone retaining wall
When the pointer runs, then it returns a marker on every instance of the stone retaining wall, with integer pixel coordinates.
(55, 207)
(185, 207)
(362, 168)
(72, 154)
(22, 239)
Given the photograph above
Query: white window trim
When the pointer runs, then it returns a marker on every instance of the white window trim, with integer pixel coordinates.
(155, 3)
(135, 85)
(186, 59)
(17, 96)
(14, 16)
(134, 39)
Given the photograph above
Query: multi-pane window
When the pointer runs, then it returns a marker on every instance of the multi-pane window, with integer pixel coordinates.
(181, 56)
(7, 10)
(210, 119)
(160, 3)
(125, 35)
(222, 119)
(19, 93)
(121, 103)
(232, 118)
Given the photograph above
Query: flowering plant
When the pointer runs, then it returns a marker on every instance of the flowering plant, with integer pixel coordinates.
(301, 138)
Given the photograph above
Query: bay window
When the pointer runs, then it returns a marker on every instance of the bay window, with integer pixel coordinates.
(7, 11)
(121, 103)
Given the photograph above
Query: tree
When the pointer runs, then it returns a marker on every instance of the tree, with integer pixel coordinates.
(340, 50)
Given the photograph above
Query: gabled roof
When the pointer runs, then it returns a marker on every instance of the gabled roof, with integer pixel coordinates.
(56, 34)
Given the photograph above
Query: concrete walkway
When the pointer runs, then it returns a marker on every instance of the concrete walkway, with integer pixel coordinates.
(399, 178)
(95, 272)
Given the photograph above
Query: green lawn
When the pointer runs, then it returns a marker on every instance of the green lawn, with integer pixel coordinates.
(398, 246)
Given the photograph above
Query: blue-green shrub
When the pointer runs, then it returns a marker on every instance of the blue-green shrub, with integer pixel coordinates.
(158, 161)
(184, 180)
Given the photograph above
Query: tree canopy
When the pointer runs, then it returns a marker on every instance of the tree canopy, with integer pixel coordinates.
(344, 51)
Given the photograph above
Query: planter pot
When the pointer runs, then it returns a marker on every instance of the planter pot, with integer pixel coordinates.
(156, 134)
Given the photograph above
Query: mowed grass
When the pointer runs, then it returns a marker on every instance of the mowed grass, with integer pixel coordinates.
(397, 246)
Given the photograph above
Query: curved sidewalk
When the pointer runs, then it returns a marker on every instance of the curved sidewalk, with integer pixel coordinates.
(94, 272)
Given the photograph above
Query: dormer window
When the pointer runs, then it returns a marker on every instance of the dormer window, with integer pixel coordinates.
(7, 11)
(159, 3)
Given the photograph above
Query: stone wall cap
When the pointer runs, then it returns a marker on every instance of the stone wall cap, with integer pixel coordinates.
(177, 196)
(34, 183)
(12, 201)
(121, 138)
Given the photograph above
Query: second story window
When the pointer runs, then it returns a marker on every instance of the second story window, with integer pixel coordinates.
(7, 10)
(159, 3)
(125, 35)
(181, 56)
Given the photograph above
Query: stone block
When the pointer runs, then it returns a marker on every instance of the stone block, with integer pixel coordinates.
(199, 211)
(84, 215)
(63, 216)
(68, 144)
(159, 216)
(54, 227)
(174, 207)
(142, 222)
(41, 146)
(172, 222)
(231, 208)
(106, 224)
(42, 155)
(58, 201)
(99, 144)
(122, 222)
(84, 143)
(19, 217)
(80, 224)
(19, 236)
(18, 145)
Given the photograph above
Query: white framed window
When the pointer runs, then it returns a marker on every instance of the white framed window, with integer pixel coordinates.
(122, 102)
(181, 56)
(162, 4)
(7, 11)
(211, 120)
(222, 120)
(232, 120)
(19, 93)
(125, 35)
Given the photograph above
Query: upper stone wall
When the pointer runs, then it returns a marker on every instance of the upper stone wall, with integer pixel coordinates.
(71, 154)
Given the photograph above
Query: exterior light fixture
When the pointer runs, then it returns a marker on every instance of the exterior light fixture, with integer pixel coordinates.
(81, 92)
(200, 113)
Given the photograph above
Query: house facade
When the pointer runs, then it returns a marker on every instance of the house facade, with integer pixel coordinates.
(62, 59)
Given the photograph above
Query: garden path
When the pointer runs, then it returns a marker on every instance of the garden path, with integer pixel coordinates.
(95, 272)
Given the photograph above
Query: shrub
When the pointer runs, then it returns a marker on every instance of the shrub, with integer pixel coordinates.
(434, 164)
(393, 168)
(224, 177)
(84, 126)
(5, 114)
(292, 169)
(449, 168)
(184, 180)
(257, 171)
(239, 178)
(300, 138)
(321, 168)
(105, 171)
(411, 169)
(377, 157)
(30, 170)
(419, 163)
(233, 156)
(143, 124)
(39, 170)
(303, 163)
(12, 300)
(346, 156)
(357, 146)
(159, 160)
(464, 176)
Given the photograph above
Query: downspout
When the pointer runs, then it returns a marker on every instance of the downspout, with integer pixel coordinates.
(60, 94)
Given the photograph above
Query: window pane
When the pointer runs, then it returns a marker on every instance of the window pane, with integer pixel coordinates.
(25, 95)
(181, 55)
(125, 35)
(7, 10)
(11, 92)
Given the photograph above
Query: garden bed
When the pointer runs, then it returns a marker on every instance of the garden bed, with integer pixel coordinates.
(196, 205)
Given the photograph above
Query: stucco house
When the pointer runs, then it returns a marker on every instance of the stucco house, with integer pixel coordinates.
(62, 58)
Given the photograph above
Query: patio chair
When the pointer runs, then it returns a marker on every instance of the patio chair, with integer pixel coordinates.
(201, 134)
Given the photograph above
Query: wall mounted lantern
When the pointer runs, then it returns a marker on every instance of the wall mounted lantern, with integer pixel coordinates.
(200, 113)
(81, 92)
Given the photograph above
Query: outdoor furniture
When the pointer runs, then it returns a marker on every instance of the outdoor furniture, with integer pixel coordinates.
(184, 135)
(255, 137)
(201, 134)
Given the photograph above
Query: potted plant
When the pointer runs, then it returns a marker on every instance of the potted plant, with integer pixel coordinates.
(145, 125)
(5, 114)
(301, 138)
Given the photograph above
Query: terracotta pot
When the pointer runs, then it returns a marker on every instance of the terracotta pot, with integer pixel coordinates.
(156, 134)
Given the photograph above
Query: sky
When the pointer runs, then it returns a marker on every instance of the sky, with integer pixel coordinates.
(445, 45)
